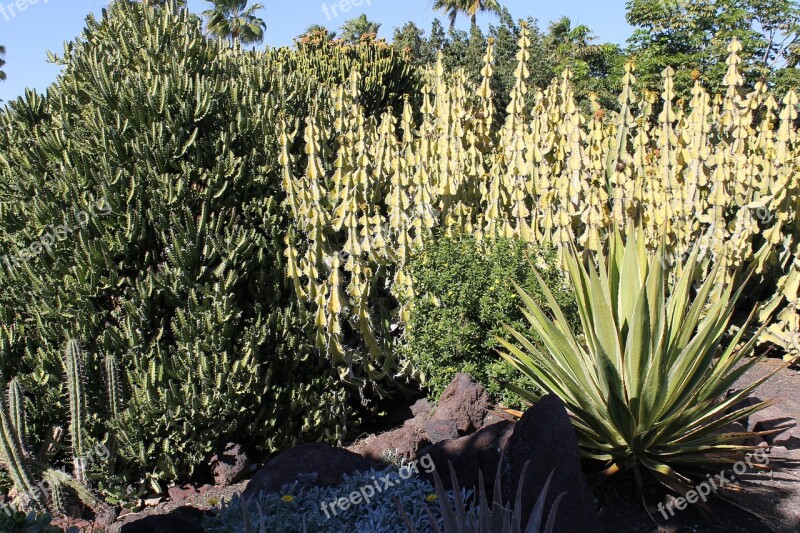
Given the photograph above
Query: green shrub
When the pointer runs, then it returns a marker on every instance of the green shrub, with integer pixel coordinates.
(141, 213)
(464, 294)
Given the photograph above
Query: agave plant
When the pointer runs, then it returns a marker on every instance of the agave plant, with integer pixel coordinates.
(485, 518)
(646, 384)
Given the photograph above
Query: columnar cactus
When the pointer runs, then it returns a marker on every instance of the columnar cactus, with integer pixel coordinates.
(721, 170)
(12, 451)
(16, 408)
(74, 368)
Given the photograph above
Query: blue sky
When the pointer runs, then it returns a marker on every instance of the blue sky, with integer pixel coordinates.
(46, 24)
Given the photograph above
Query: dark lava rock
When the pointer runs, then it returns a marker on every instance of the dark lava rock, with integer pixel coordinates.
(464, 402)
(480, 451)
(229, 465)
(327, 462)
(545, 438)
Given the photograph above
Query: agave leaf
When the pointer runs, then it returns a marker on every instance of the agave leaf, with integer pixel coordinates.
(538, 508)
(551, 518)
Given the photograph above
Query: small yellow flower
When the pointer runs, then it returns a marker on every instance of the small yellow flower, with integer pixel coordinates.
(430, 498)
(288, 498)
(213, 501)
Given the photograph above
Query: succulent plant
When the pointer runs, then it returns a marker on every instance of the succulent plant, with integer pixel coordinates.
(485, 517)
(646, 382)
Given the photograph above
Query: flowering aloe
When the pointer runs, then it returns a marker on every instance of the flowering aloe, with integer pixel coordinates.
(646, 384)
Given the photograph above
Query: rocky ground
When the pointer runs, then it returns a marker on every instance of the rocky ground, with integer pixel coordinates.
(466, 430)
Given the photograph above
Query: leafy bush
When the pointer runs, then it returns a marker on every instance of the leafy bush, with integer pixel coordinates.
(464, 296)
(647, 383)
(141, 213)
(299, 506)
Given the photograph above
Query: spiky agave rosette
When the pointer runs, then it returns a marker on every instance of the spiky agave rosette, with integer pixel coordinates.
(646, 383)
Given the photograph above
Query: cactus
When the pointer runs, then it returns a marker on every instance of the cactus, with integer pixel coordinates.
(113, 387)
(74, 368)
(16, 409)
(22, 466)
(14, 460)
(721, 170)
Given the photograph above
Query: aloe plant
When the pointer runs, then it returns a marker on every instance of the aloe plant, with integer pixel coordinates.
(484, 517)
(646, 384)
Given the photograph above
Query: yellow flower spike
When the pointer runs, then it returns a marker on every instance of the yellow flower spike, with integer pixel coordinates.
(431, 498)
(684, 170)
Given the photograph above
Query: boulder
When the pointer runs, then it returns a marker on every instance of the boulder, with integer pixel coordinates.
(403, 442)
(229, 465)
(327, 463)
(421, 411)
(544, 438)
(464, 402)
(180, 495)
(470, 454)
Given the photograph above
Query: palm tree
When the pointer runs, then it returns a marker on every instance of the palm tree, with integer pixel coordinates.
(353, 29)
(232, 19)
(568, 42)
(180, 3)
(2, 62)
(452, 8)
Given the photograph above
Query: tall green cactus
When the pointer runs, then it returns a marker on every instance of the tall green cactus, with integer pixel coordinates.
(113, 389)
(73, 364)
(16, 409)
(13, 455)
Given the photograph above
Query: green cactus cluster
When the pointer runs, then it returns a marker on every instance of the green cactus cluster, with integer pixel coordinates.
(228, 232)
(142, 212)
(386, 74)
